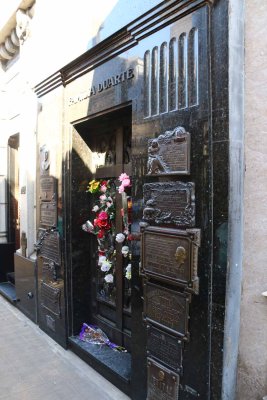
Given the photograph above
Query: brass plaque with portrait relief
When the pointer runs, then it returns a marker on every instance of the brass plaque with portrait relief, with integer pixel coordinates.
(162, 383)
(171, 255)
(167, 309)
(169, 153)
(170, 203)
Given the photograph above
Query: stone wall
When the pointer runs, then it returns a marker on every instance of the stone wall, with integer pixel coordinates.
(252, 365)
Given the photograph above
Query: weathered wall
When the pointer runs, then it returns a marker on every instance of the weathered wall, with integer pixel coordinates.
(252, 366)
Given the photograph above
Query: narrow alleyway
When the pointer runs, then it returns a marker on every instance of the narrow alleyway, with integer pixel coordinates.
(34, 367)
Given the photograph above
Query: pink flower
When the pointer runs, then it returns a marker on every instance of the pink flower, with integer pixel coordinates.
(108, 204)
(126, 182)
(103, 198)
(103, 188)
(123, 176)
(103, 215)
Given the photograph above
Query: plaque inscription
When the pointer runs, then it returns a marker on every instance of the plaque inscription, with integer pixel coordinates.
(48, 214)
(167, 309)
(170, 203)
(171, 255)
(50, 298)
(165, 348)
(162, 383)
(50, 246)
(169, 154)
(47, 188)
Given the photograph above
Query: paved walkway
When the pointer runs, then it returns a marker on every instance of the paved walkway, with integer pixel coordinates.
(34, 367)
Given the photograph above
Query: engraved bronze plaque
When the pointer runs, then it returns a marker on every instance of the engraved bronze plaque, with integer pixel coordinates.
(50, 298)
(47, 188)
(169, 153)
(164, 348)
(171, 255)
(167, 309)
(170, 203)
(49, 246)
(48, 214)
(162, 383)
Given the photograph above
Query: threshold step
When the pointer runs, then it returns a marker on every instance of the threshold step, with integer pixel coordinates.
(8, 290)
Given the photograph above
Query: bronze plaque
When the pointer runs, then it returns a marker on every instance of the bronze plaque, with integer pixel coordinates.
(167, 309)
(50, 298)
(48, 213)
(47, 188)
(170, 203)
(165, 348)
(169, 153)
(171, 255)
(162, 383)
(49, 246)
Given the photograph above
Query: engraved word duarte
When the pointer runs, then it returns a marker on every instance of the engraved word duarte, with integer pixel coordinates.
(104, 85)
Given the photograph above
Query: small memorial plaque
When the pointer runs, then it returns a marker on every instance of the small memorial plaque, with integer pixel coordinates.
(169, 153)
(162, 383)
(47, 188)
(165, 348)
(48, 212)
(167, 309)
(171, 255)
(50, 247)
(170, 203)
(50, 298)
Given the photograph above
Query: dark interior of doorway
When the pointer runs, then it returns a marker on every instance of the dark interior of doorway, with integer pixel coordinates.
(107, 136)
(7, 250)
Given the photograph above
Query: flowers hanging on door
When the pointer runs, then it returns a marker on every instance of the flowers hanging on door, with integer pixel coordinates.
(104, 227)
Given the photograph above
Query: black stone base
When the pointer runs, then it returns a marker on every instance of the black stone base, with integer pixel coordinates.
(113, 365)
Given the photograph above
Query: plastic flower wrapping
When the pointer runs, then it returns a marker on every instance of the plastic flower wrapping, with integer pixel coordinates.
(104, 228)
(94, 335)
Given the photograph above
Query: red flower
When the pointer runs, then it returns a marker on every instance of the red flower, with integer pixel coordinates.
(101, 234)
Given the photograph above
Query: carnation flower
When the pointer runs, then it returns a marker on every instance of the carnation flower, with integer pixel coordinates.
(121, 189)
(105, 266)
(102, 198)
(109, 278)
(95, 208)
(125, 250)
(120, 237)
(103, 188)
(101, 259)
(123, 176)
(108, 204)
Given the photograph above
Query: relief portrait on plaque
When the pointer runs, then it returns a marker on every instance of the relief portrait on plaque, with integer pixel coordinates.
(44, 160)
(169, 153)
(171, 255)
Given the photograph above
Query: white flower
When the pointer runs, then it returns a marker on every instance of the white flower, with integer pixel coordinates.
(105, 266)
(109, 278)
(108, 204)
(120, 237)
(95, 208)
(125, 250)
(101, 260)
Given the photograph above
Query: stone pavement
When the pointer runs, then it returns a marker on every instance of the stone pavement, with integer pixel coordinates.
(34, 367)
